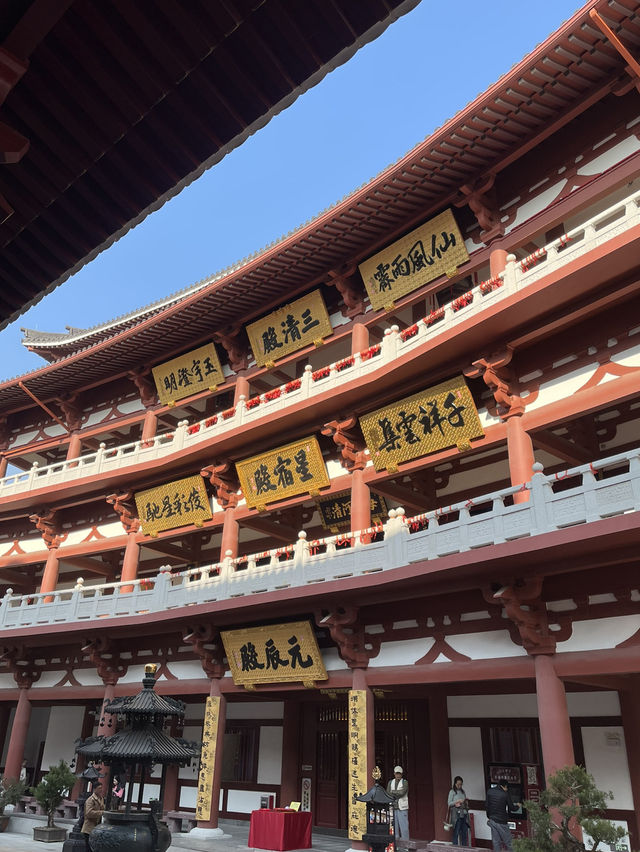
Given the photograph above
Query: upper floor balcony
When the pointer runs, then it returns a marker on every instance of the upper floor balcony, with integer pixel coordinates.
(590, 511)
(486, 303)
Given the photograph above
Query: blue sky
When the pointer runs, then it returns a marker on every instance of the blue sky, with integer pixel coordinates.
(359, 119)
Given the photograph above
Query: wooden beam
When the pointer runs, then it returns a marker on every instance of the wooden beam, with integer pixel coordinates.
(167, 549)
(85, 563)
(407, 498)
(561, 448)
(272, 528)
(13, 577)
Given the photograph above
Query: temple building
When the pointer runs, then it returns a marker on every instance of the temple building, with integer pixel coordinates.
(370, 496)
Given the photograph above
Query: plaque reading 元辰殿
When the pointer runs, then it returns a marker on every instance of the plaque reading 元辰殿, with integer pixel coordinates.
(275, 653)
(435, 248)
(290, 328)
(441, 416)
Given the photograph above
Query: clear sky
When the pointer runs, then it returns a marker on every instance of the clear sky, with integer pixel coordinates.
(362, 117)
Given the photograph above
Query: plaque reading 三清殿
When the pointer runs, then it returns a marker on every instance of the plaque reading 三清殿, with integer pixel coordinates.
(273, 654)
(357, 762)
(293, 469)
(194, 371)
(290, 328)
(335, 511)
(207, 758)
(434, 419)
(429, 251)
(174, 504)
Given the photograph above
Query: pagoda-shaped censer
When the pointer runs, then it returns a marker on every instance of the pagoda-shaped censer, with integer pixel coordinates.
(131, 754)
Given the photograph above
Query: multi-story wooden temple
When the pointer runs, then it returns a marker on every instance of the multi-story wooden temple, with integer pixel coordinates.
(372, 495)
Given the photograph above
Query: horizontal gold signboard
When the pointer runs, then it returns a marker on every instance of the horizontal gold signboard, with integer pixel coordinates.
(273, 654)
(175, 504)
(435, 248)
(188, 374)
(290, 328)
(335, 511)
(439, 417)
(293, 469)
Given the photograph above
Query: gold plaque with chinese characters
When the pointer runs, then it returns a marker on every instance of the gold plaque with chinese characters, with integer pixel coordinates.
(273, 654)
(435, 248)
(357, 762)
(293, 469)
(434, 419)
(190, 373)
(290, 328)
(207, 758)
(335, 511)
(175, 504)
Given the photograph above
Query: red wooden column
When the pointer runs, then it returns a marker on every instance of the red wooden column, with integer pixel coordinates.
(630, 708)
(440, 760)
(207, 644)
(553, 715)
(359, 338)
(4, 462)
(149, 427)
(351, 446)
(143, 380)
(225, 483)
(75, 446)
(125, 507)
(498, 377)
(497, 261)
(18, 736)
(47, 523)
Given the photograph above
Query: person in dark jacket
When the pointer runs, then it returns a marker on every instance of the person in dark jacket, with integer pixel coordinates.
(498, 807)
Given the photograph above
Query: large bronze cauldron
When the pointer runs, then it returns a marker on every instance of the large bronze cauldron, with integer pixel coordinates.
(134, 832)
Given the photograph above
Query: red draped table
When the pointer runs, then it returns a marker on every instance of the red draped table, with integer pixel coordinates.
(281, 829)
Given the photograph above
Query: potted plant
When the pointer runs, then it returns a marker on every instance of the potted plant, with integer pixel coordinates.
(570, 816)
(11, 791)
(49, 794)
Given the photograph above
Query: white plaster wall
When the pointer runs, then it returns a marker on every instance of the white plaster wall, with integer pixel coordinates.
(605, 758)
(191, 733)
(189, 670)
(526, 705)
(465, 751)
(332, 661)
(611, 157)
(486, 645)
(598, 633)
(402, 653)
(151, 791)
(483, 832)
(561, 387)
(65, 727)
(88, 677)
(270, 755)
(256, 710)
(36, 735)
(593, 703)
(245, 801)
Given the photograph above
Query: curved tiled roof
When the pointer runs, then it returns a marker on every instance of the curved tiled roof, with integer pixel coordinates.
(111, 108)
(560, 79)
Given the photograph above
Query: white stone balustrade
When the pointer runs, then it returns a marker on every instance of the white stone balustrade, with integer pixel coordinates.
(395, 344)
(581, 495)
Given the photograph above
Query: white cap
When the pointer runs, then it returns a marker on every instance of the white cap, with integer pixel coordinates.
(398, 769)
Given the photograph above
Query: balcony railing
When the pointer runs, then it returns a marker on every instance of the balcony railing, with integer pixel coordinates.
(580, 495)
(517, 276)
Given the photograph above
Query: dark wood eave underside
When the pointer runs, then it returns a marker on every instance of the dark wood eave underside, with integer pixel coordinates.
(123, 104)
(574, 69)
